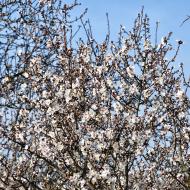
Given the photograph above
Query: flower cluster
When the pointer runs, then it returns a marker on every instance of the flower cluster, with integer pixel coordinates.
(92, 115)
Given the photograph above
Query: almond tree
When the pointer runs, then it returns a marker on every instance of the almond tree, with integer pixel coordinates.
(78, 114)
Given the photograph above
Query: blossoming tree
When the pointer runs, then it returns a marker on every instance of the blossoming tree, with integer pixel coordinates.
(88, 115)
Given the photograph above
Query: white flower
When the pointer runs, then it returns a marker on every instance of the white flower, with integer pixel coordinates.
(147, 44)
(104, 111)
(93, 180)
(117, 107)
(121, 166)
(103, 91)
(116, 147)
(47, 102)
(122, 180)
(87, 58)
(97, 156)
(76, 84)
(68, 161)
(68, 95)
(83, 150)
(25, 74)
(49, 111)
(179, 175)
(52, 134)
(163, 93)
(21, 158)
(110, 83)
(148, 132)
(151, 151)
(133, 89)
(63, 60)
(23, 112)
(105, 173)
(82, 142)
(146, 93)
(166, 127)
(42, 1)
(109, 134)
(100, 146)
(49, 44)
(21, 125)
(6, 79)
(85, 117)
(134, 119)
(23, 86)
(180, 94)
(138, 152)
(134, 136)
(181, 115)
(94, 92)
(21, 137)
(44, 94)
(94, 107)
(161, 80)
(59, 146)
(186, 136)
(82, 183)
(45, 151)
(100, 69)
(92, 113)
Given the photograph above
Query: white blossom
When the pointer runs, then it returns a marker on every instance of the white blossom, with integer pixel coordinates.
(180, 94)
(68, 95)
(25, 74)
(5, 80)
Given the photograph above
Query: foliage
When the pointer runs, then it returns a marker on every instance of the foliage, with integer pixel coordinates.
(88, 115)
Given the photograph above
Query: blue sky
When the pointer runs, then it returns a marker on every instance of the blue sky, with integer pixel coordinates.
(170, 14)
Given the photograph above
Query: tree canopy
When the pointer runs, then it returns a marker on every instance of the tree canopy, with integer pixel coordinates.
(87, 115)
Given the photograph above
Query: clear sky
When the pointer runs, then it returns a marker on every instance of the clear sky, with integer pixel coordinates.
(170, 14)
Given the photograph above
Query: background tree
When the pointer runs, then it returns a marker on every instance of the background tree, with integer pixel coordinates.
(88, 115)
